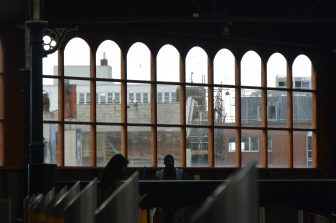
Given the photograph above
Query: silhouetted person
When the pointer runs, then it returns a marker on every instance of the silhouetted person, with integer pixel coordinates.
(113, 174)
(170, 172)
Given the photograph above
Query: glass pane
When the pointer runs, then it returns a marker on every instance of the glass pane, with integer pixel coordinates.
(197, 147)
(224, 68)
(277, 108)
(196, 105)
(225, 147)
(277, 71)
(77, 58)
(137, 110)
(168, 142)
(168, 107)
(302, 110)
(138, 62)
(50, 64)
(196, 66)
(50, 99)
(108, 60)
(251, 107)
(75, 108)
(251, 144)
(108, 143)
(224, 106)
(138, 145)
(108, 105)
(168, 64)
(302, 70)
(278, 149)
(251, 69)
(302, 149)
(76, 145)
(50, 138)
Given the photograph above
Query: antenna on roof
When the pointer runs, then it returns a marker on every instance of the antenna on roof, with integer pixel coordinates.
(104, 61)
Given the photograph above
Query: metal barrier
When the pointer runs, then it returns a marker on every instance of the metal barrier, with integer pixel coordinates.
(58, 208)
(122, 206)
(81, 208)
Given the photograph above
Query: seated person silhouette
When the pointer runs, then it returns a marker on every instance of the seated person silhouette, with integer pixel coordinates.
(169, 172)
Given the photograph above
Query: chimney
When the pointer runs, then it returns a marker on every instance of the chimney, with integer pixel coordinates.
(104, 62)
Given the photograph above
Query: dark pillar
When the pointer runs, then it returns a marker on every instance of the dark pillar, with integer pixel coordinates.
(41, 176)
(36, 115)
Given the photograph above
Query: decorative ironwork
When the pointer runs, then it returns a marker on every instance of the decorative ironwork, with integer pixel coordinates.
(52, 39)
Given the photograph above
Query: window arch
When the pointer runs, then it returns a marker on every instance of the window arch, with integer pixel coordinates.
(196, 66)
(250, 69)
(224, 67)
(109, 54)
(138, 62)
(168, 64)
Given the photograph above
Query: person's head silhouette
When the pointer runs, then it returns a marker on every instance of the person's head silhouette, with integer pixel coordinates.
(169, 161)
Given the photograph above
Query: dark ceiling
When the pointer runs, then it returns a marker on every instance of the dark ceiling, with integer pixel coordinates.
(298, 22)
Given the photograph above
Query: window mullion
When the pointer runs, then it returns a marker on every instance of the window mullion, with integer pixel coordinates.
(290, 115)
(263, 140)
(123, 102)
(60, 155)
(182, 96)
(93, 144)
(238, 113)
(153, 108)
(211, 160)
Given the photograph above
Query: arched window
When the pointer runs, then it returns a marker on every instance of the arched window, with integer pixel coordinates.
(138, 62)
(224, 108)
(168, 102)
(108, 102)
(278, 137)
(303, 103)
(206, 113)
(196, 107)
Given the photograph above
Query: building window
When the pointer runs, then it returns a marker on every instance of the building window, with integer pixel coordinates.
(102, 98)
(81, 98)
(281, 84)
(87, 98)
(166, 97)
(305, 85)
(173, 97)
(117, 97)
(269, 144)
(138, 97)
(232, 144)
(250, 144)
(159, 97)
(309, 150)
(272, 112)
(109, 98)
(145, 97)
(131, 97)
